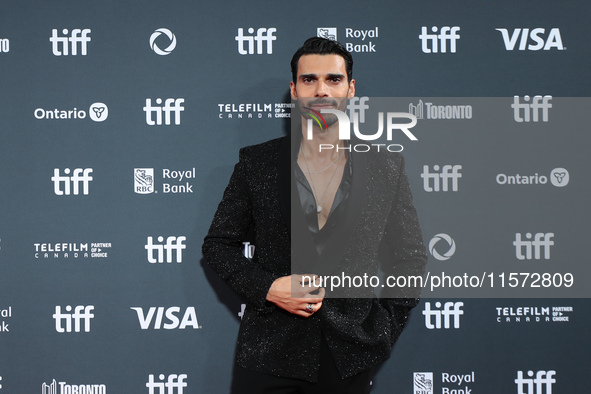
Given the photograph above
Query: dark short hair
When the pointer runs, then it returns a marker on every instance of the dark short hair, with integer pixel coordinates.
(322, 46)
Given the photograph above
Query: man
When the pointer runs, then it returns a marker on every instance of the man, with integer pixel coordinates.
(315, 213)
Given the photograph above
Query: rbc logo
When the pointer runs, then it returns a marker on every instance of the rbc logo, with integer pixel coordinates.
(540, 241)
(172, 244)
(60, 44)
(436, 181)
(450, 309)
(263, 36)
(143, 180)
(71, 184)
(439, 41)
(81, 313)
(173, 381)
(542, 379)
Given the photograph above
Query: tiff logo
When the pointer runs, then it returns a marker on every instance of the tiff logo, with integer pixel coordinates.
(156, 251)
(438, 42)
(540, 241)
(170, 106)
(61, 45)
(357, 107)
(542, 379)
(450, 309)
(535, 38)
(71, 184)
(263, 36)
(173, 381)
(81, 313)
(441, 181)
(536, 106)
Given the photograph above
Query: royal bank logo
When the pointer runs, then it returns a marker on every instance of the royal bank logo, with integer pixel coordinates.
(68, 45)
(262, 40)
(423, 383)
(5, 314)
(442, 246)
(429, 110)
(532, 40)
(540, 384)
(64, 388)
(172, 384)
(143, 180)
(98, 112)
(355, 39)
(160, 36)
(4, 45)
(440, 39)
(330, 33)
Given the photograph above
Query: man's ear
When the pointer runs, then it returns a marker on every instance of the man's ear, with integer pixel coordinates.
(351, 93)
(292, 91)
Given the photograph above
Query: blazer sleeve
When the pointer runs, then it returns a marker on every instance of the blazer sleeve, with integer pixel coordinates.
(405, 253)
(223, 248)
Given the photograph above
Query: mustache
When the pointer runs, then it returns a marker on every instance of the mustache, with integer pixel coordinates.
(322, 101)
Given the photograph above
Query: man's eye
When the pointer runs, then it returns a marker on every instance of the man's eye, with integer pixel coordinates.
(335, 80)
(308, 80)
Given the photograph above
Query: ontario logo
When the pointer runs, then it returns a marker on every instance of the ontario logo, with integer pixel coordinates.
(315, 118)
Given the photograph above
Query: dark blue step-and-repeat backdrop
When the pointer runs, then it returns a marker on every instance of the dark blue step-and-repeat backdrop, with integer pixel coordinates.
(121, 124)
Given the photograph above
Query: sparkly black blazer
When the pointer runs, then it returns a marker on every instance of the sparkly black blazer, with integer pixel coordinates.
(359, 331)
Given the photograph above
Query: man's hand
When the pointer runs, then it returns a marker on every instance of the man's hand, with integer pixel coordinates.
(293, 295)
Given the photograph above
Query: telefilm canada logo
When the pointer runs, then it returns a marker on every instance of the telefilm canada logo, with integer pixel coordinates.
(72, 250)
(159, 37)
(358, 112)
(173, 181)
(354, 40)
(254, 110)
(98, 112)
(55, 387)
(533, 314)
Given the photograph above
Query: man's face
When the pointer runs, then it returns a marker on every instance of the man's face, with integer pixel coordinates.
(322, 84)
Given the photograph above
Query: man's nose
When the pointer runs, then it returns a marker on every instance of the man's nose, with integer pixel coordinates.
(321, 89)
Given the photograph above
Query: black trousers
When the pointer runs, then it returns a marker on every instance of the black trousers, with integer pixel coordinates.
(246, 381)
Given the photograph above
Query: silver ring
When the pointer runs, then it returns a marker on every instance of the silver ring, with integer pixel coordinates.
(310, 308)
